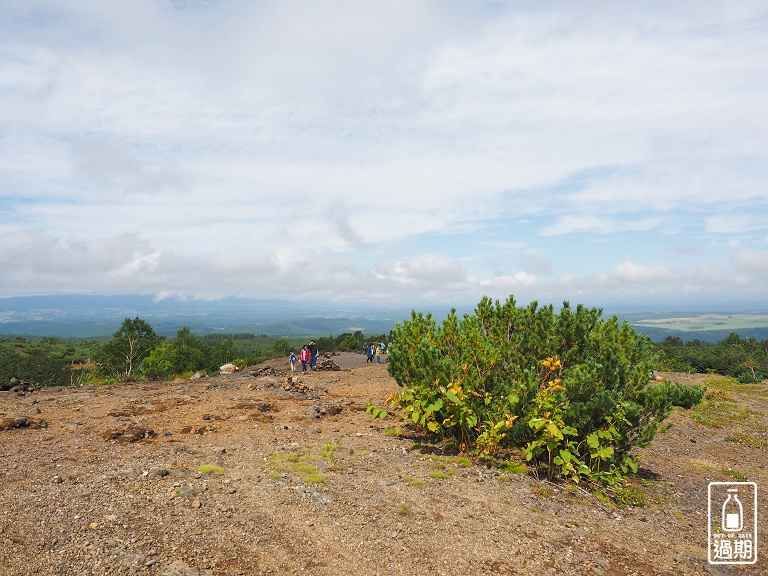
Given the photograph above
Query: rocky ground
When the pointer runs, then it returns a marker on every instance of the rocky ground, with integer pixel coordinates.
(245, 474)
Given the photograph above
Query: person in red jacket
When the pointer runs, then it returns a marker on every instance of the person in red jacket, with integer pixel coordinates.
(304, 357)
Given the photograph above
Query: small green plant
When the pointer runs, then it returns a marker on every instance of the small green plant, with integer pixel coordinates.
(747, 440)
(424, 448)
(211, 469)
(395, 431)
(629, 496)
(602, 496)
(508, 466)
(735, 474)
(437, 474)
(402, 510)
(328, 452)
(297, 464)
(375, 411)
(274, 475)
(412, 481)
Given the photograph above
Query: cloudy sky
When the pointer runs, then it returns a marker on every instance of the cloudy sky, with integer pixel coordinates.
(403, 152)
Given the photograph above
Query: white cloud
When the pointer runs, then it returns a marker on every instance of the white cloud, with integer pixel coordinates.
(306, 148)
(753, 264)
(631, 273)
(737, 223)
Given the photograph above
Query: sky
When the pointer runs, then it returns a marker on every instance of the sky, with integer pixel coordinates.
(397, 152)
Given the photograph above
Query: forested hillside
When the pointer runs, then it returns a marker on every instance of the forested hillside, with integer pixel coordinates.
(137, 352)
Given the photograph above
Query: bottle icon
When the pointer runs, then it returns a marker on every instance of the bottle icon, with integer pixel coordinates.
(733, 512)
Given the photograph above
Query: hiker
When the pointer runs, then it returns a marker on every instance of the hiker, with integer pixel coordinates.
(378, 353)
(369, 353)
(292, 358)
(304, 357)
(312, 355)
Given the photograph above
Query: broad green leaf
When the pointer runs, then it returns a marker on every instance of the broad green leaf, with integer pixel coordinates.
(554, 430)
(606, 452)
(528, 455)
(631, 463)
(435, 406)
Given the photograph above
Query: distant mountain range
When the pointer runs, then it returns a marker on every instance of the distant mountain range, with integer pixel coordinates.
(80, 316)
(77, 316)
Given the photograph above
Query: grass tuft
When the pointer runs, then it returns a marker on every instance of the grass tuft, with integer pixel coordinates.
(735, 474)
(747, 440)
(629, 497)
(412, 481)
(297, 464)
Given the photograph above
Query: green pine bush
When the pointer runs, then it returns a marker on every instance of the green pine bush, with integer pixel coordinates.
(570, 389)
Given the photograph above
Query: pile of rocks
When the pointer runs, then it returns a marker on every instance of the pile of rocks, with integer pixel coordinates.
(12, 422)
(318, 411)
(295, 386)
(129, 434)
(265, 371)
(16, 385)
(327, 364)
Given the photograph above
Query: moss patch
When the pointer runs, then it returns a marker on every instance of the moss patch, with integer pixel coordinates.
(294, 463)
(747, 440)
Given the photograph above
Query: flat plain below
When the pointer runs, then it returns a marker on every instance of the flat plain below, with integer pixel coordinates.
(731, 322)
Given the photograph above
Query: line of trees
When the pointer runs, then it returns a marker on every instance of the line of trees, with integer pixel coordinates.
(745, 359)
(136, 351)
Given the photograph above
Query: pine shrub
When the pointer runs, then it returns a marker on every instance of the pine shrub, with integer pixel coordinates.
(572, 390)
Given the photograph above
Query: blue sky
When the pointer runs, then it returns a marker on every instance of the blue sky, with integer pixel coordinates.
(398, 152)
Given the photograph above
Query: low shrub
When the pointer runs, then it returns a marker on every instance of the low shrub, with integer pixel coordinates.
(574, 392)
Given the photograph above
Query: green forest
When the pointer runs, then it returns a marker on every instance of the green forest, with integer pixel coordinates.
(137, 352)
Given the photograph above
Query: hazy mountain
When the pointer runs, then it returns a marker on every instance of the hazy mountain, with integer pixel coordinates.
(95, 316)
(81, 316)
